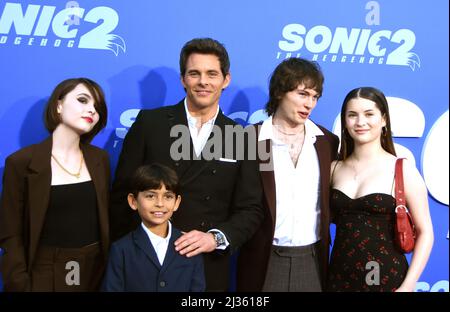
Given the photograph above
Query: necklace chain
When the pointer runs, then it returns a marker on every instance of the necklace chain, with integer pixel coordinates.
(77, 174)
(353, 164)
(294, 142)
(355, 173)
(285, 133)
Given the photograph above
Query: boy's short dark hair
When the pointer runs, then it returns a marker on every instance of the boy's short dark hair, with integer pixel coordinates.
(153, 177)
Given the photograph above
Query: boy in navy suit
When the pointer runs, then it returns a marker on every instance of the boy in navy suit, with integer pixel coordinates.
(145, 259)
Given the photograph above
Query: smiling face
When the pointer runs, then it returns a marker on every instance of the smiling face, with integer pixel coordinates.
(77, 110)
(155, 207)
(296, 105)
(364, 121)
(203, 81)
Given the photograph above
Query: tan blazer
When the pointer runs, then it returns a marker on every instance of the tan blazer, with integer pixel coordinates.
(24, 202)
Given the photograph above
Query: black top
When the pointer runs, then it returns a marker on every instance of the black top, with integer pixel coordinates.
(72, 216)
(364, 256)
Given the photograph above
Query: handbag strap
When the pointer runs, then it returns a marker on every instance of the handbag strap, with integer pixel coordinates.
(399, 189)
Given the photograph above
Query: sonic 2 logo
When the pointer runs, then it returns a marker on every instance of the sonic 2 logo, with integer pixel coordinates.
(43, 18)
(352, 44)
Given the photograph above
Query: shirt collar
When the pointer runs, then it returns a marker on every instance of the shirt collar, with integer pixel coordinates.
(156, 238)
(193, 120)
(266, 132)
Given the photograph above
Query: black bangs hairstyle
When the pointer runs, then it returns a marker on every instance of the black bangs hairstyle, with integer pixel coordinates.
(153, 177)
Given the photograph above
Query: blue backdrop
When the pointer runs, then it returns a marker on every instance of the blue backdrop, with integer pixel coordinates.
(131, 49)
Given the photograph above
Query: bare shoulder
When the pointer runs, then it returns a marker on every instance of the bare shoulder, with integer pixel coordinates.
(409, 167)
(335, 165)
(411, 174)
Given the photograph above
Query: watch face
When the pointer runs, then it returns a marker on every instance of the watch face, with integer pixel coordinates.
(218, 238)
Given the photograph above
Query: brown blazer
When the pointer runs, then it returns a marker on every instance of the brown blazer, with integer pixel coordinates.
(254, 255)
(24, 202)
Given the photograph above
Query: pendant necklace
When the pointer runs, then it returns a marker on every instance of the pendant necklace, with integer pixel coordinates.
(76, 174)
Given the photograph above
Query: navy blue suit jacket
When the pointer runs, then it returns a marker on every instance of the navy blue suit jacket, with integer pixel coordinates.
(133, 266)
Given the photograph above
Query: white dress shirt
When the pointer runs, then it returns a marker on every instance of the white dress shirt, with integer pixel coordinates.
(159, 243)
(199, 137)
(297, 188)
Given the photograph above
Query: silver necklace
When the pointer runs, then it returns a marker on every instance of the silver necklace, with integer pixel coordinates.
(290, 134)
(355, 173)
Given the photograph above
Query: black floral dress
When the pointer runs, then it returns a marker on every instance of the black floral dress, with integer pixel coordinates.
(364, 257)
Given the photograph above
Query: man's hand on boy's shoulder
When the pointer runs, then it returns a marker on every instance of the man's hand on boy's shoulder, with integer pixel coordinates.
(195, 242)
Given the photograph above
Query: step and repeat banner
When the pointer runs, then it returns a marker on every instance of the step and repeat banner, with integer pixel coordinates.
(131, 48)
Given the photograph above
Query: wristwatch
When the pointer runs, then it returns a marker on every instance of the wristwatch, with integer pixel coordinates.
(219, 238)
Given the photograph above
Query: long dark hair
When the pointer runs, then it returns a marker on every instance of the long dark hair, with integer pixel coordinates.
(374, 95)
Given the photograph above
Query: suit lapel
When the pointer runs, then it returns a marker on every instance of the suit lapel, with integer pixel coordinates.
(268, 177)
(171, 252)
(93, 164)
(324, 156)
(142, 240)
(198, 165)
(39, 182)
(266, 170)
(177, 116)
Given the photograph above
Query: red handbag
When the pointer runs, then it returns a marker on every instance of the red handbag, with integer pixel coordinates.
(405, 232)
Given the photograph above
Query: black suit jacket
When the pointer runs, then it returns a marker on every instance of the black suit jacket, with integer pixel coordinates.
(133, 265)
(254, 256)
(24, 202)
(215, 194)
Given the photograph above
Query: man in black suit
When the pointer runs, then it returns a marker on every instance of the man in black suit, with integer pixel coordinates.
(221, 195)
